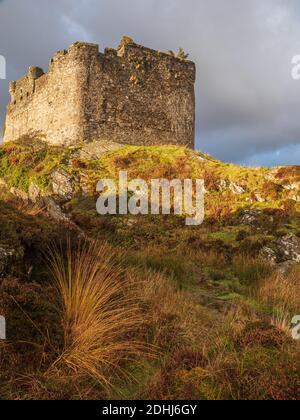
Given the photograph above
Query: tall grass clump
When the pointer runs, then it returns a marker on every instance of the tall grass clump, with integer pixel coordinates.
(250, 270)
(99, 316)
(281, 294)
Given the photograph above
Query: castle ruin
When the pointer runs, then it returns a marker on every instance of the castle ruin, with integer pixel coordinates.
(132, 95)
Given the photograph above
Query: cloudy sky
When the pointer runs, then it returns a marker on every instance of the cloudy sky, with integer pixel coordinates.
(248, 105)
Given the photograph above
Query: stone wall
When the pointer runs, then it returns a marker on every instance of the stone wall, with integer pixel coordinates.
(131, 95)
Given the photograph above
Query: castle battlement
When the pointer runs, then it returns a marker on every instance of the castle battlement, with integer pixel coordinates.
(131, 94)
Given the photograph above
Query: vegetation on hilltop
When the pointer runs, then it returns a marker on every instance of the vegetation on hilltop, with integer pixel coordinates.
(207, 308)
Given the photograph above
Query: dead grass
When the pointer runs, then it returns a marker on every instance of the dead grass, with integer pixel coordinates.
(172, 317)
(27, 208)
(250, 360)
(99, 318)
(281, 291)
(281, 294)
(208, 258)
(251, 270)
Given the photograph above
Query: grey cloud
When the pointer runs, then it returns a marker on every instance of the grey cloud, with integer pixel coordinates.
(247, 103)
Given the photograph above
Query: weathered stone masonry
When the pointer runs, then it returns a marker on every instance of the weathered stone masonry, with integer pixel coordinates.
(132, 95)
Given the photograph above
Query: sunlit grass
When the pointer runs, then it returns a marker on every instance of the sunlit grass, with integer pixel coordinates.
(99, 318)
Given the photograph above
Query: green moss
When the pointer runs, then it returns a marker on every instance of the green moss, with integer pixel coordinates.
(26, 162)
(30, 161)
(225, 236)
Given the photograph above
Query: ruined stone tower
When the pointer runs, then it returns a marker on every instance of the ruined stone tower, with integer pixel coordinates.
(131, 95)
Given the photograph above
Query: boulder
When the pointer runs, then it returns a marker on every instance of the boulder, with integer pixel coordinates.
(231, 186)
(289, 248)
(62, 184)
(269, 254)
(250, 216)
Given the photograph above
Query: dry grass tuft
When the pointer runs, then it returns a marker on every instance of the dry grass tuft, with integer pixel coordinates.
(281, 291)
(99, 316)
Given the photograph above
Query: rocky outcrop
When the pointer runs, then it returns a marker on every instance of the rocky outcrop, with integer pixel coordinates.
(49, 204)
(284, 250)
(231, 186)
(250, 216)
(62, 184)
(288, 247)
(269, 254)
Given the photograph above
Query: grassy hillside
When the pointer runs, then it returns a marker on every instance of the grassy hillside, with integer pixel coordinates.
(208, 308)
